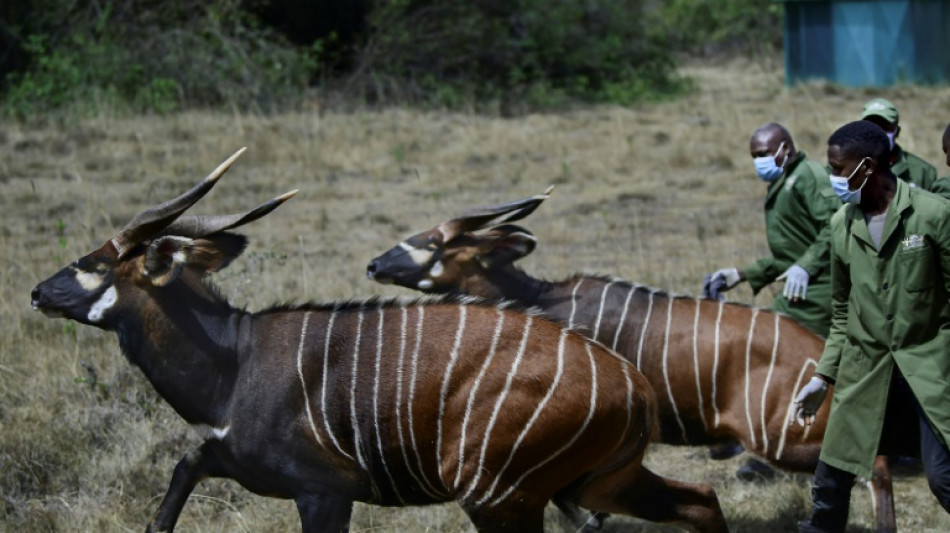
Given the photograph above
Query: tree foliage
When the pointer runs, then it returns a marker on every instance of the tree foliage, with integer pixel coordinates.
(532, 52)
(151, 55)
(718, 27)
(511, 55)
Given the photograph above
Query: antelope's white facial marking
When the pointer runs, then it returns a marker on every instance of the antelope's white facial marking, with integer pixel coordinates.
(103, 304)
(419, 256)
(425, 284)
(436, 269)
(89, 281)
(207, 432)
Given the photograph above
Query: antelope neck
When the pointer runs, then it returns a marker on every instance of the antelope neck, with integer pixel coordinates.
(188, 346)
(518, 285)
(578, 300)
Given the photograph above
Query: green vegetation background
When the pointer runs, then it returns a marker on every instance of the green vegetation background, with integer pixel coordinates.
(86, 57)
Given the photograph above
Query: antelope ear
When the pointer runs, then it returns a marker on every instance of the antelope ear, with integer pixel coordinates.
(513, 244)
(214, 252)
(165, 258)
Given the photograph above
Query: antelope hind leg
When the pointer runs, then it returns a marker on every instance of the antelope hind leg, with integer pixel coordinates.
(567, 508)
(882, 494)
(636, 491)
(195, 466)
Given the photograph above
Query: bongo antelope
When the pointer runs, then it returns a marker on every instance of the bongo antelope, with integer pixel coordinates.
(381, 401)
(721, 371)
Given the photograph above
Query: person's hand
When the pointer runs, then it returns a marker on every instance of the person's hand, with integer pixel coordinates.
(809, 400)
(796, 283)
(719, 282)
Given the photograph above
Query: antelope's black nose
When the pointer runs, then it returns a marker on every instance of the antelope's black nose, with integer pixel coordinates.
(35, 297)
(374, 268)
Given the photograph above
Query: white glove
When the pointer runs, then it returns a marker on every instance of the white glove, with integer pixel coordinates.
(796, 282)
(720, 281)
(809, 400)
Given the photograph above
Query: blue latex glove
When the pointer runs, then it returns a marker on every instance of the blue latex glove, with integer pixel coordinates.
(719, 282)
(796, 283)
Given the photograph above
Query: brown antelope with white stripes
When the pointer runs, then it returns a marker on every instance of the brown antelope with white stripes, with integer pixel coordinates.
(385, 402)
(721, 371)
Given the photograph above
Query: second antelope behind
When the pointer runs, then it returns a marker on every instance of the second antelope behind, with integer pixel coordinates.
(385, 402)
(722, 371)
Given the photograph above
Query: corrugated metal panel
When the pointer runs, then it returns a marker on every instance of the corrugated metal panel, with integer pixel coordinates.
(867, 43)
(931, 23)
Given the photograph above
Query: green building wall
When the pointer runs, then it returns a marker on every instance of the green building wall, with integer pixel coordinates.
(867, 43)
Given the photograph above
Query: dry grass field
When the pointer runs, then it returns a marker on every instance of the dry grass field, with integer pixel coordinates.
(659, 194)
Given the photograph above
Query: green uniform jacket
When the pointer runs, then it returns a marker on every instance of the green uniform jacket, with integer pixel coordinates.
(917, 172)
(887, 307)
(798, 208)
(942, 187)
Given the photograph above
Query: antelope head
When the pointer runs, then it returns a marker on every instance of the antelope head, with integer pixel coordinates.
(152, 250)
(453, 258)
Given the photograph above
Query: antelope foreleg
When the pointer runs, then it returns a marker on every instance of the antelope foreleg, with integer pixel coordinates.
(641, 493)
(195, 466)
(321, 513)
(518, 518)
(882, 494)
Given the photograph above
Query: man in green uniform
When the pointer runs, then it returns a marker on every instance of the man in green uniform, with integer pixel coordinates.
(904, 165)
(798, 205)
(887, 351)
(942, 185)
(946, 144)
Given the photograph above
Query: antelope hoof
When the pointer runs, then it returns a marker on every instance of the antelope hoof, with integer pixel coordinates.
(725, 451)
(595, 522)
(755, 470)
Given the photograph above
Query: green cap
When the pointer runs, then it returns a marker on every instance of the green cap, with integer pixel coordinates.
(880, 107)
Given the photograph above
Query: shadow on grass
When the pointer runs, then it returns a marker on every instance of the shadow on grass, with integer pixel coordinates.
(784, 521)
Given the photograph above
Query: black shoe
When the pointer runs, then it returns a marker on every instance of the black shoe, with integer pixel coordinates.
(755, 470)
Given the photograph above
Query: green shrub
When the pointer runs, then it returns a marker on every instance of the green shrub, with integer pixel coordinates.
(150, 56)
(534, 53)
(84, 71)
(157, 56)
(722, 27)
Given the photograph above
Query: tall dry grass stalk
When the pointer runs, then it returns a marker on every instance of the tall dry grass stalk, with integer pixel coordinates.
(660, 195)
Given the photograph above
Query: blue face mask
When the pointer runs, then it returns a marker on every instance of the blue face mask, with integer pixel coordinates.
(890, 137)
(840, 186)
(766, 168)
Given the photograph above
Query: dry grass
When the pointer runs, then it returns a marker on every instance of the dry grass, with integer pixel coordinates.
(659, 194)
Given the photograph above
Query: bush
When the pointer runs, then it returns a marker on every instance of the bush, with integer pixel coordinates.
(158, 56)
(722, 27)
(153, 56)
(535, 53)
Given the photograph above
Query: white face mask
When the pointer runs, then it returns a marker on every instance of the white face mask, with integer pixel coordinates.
(840, 186)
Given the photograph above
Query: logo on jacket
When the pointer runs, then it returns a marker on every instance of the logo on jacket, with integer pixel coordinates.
(912, 242)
